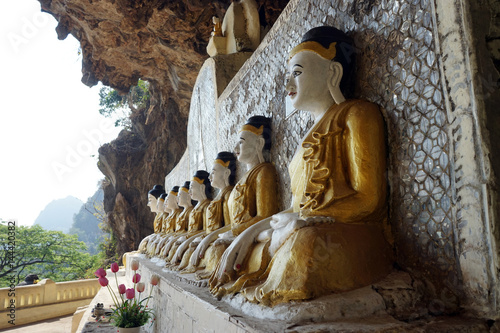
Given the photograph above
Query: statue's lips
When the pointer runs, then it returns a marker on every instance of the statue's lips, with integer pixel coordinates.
(291, 94)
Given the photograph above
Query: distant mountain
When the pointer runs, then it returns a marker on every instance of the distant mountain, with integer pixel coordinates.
(86, 222)
(58, 215)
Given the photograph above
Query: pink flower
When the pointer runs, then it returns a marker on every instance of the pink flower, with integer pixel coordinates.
(114, 267)
(100, 273)
(136, 278)
(103, 281)
(140, 287)
(155, 279)
(135, 264)
(130, 293)
(122, 289)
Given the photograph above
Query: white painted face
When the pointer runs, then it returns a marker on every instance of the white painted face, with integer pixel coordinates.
(152, 203)
(307, 80)
(219, 176)
(165, 208)
(183, 198)
(159, 205)
(171, 201)
(196, 191)
(246, 149)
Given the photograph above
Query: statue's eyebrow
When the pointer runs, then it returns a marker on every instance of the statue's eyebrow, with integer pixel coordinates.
(298, 65)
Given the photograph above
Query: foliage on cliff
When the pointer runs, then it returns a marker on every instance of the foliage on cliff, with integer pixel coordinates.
(111, 102)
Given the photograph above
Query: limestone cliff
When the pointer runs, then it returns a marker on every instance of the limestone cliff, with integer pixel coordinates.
(163, 42)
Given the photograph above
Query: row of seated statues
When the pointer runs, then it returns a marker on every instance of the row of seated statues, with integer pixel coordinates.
(335, 235)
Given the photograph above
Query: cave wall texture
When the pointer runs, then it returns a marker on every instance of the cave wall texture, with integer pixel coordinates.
(163, 42)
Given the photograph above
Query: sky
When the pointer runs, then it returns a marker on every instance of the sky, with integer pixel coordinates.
(50, 126)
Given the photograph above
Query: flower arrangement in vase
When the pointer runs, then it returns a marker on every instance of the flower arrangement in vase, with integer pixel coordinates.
(130, 310)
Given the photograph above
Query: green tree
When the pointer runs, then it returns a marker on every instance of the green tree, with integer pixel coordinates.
(115, 105)
(49, 254)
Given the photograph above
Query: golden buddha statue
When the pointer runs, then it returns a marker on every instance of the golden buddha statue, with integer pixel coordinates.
(254, 196)
(160, 216)
(204, 255)
(217, 29)
(162, 207)
(181, 222)
(200, 190)
(335, 237)
(169, 223)
(153, 196)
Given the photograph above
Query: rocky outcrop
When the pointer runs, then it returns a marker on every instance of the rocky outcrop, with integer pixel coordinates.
(163, 42)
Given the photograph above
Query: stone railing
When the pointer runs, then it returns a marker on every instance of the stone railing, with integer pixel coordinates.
(45, 300)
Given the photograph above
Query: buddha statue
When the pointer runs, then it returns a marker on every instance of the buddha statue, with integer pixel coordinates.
(181, 222)
(200, 191)
(253, 198)
(153, 243)
(170, 221)
(160, 206)
(153, 196)
(335, 237)
(205, 256)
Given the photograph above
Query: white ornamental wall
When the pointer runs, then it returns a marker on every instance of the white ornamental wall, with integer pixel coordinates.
(407, 64)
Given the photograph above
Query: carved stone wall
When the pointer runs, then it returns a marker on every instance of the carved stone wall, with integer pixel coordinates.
(411, 60)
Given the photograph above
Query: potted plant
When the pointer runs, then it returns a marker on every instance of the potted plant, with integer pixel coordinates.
(131, 312)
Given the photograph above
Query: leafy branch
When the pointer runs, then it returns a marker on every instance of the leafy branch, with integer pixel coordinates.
(115, 105)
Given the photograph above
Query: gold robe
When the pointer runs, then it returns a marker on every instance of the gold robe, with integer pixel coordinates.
(218, 211)
(198, 218)
(339, 171)
(170, 221)
(158, 222)
(252, 199)
(183, 220)
(180, 229)
(217, 217)
(170, 225)
(157, 225)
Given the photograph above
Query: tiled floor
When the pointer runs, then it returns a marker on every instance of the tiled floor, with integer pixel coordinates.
(56, 325)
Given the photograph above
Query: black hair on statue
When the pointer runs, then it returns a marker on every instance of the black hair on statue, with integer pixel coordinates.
(345, 52)
(175, 189)
(226, 156)
(257, 122)
(163, 196)
(157, 191)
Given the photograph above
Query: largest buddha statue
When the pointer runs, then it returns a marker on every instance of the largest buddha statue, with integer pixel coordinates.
(335, 237)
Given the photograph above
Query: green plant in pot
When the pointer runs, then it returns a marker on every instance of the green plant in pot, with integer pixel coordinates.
(131, 309)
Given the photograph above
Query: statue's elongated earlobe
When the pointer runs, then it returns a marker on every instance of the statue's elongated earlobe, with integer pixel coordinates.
(336, 72)
(260, 145)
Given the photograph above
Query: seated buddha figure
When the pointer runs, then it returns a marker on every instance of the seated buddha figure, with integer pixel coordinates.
(181, 222)
(253, 198)
(170, 221)
(161, 207)
(335, 236)
(153, 196)
(205, 256)
(200, 190)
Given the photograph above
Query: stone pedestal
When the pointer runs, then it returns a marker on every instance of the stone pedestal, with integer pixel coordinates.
(183, 304)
